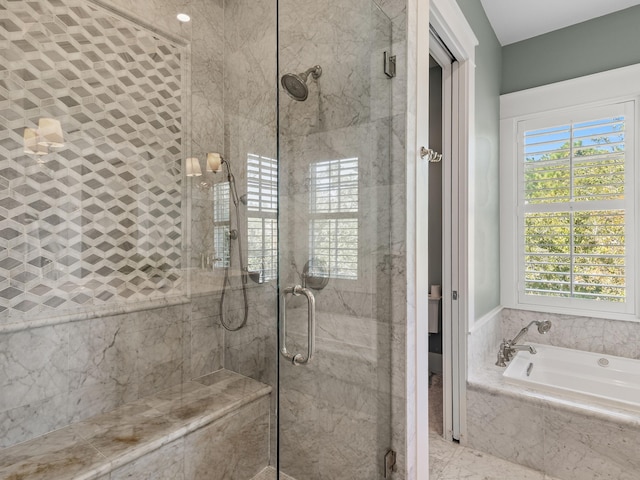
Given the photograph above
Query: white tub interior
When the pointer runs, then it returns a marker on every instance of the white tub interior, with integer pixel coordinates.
(605, 379)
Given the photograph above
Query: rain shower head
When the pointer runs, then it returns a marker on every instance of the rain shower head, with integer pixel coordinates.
(296, 84)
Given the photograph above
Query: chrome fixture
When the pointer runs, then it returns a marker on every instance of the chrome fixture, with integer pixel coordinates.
(215, 163)
(315, 274)
(543, 327)
(298, 359)
(508, 348)
(431, 155)
(296, 84)
(524, 348)
(389, 65)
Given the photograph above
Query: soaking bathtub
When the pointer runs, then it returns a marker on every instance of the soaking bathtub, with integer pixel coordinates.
(604, 379)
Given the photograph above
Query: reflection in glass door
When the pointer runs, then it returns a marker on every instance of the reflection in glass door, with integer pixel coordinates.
(334, 243)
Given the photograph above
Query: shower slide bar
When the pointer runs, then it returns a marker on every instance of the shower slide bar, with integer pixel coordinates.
(298, 359)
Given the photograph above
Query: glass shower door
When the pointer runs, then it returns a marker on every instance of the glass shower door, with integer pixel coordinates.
(334, 240)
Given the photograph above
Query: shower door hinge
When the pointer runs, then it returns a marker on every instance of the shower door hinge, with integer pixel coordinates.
(389, 65)
(390, 463)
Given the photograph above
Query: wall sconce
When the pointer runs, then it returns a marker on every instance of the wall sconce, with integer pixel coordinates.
(48, 135)
(50, 132)
(214, 162)
(213, 165)
(31, 145)
(193, 167)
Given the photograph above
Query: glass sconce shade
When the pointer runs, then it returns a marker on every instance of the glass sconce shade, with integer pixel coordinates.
(50, 132)
(31, 143)
(193, 167)
(214, 162)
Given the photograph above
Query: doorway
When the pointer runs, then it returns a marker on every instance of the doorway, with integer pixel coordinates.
(444, 403)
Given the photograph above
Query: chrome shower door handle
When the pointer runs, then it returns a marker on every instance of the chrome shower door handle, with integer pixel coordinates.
(298, 359)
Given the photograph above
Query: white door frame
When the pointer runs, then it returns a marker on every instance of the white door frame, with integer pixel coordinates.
(449, 23)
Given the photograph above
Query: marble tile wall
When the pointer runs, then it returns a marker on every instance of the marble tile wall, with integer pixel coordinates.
(62, 369)
(483, 342)
(567, 443)
(250, 129)
(600, 335)
(56, 375)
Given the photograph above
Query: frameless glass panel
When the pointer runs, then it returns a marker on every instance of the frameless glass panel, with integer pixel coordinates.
(138, 230)
(334, 409)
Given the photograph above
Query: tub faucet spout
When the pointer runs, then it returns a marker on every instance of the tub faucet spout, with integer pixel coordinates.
(508, 349)
(528, 348)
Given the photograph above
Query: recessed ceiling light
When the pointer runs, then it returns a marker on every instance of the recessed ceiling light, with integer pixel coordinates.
(183, 17)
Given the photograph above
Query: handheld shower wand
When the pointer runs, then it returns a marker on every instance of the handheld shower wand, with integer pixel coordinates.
(215, 163)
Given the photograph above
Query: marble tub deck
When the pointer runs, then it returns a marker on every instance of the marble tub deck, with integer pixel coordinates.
(565, 436)
(93, 448)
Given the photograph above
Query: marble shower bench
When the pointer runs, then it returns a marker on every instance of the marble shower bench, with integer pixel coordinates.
(214, 427)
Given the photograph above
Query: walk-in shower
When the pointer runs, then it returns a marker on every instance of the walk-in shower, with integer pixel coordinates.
(296, 84)
(139, 292)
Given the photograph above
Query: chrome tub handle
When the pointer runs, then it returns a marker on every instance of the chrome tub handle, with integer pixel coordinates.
(298, 359)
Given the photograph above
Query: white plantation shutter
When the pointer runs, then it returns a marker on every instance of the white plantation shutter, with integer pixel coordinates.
(262, 210)
(221, 224)
(333, 208)
(575, 208)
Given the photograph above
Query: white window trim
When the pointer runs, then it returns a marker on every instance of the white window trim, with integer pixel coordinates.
(619, 85)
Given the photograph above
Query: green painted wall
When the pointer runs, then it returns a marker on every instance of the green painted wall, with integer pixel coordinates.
(486, 227)
(593, 46)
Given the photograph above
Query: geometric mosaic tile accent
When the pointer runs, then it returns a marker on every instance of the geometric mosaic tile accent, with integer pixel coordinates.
(98, 221)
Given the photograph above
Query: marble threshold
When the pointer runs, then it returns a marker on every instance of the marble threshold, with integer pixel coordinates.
(100, 444)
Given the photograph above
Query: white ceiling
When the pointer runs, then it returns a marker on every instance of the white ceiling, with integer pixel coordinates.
(515, 20)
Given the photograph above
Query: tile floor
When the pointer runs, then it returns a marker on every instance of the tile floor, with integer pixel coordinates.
(450, 461)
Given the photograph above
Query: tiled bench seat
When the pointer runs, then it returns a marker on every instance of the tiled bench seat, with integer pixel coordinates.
(215, 427)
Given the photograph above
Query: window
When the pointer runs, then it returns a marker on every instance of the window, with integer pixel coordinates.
(333, 208)
(575, 209)
(221, 224)
(262, 209)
